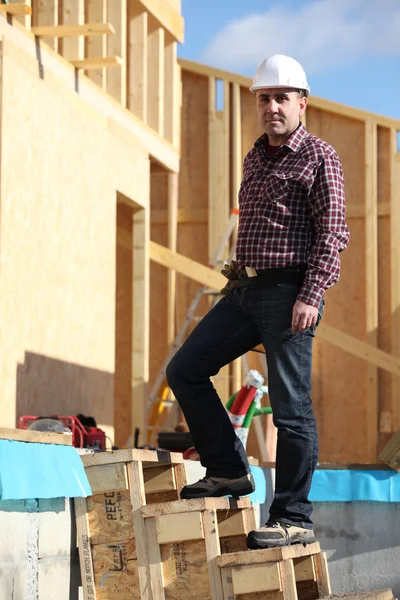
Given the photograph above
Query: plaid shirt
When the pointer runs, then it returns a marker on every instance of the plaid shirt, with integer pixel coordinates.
(292, 211)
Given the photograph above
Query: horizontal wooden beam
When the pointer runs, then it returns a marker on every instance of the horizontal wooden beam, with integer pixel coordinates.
(97, 62)
(167, 16)
(38, 437)
(354, 211)
(210, 278)
(17, 10)
(185, 215)
(314, 102)
(59, 31)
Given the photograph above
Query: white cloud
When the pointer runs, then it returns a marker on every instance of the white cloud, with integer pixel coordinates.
(321, 34)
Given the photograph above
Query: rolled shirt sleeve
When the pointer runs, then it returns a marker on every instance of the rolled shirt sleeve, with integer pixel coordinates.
(331, 234)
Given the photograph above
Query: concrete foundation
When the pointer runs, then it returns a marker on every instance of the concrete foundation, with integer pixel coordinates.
(38, 555)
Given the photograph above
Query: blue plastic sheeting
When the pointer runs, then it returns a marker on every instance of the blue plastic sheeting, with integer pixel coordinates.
(355, 485)
(30, 470)
(260, 493)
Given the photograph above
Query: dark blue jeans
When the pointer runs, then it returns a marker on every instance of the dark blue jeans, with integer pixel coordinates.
(241, 320)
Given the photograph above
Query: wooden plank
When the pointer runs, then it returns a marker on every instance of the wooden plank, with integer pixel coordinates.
(256, 578)
(138, 499)
(231, 523)
(314, 102)
(148, 457)
(159, 479)
(85, 554)
(357, 211)
(184, 215)
(167, 17)
(287, 574)
(213, 550)
(97, 62)
(185, 571)
(322, 574)
(38, 437)
(179, 527)
(96, 12)
(155, 80)
(18, 9)
(88, 29)
(72, 13)
(117, 45)
(197, 504)
(180, 477)
(254, 557)
(154, 555)
(371, 265)
(137, 62)
(227, 586)
(107, 478)
(394, 192)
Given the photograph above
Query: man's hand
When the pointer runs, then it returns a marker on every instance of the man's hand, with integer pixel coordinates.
(303, 316)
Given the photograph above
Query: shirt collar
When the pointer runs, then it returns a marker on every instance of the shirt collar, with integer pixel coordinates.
(293, 142)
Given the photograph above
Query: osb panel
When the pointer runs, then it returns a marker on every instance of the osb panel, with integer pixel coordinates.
(110, 517)
(193, 185)
(116, 571)
(57, 306)
(345, 309)
(158, 278)
(123, 326)
(185, 571)
(233, 543)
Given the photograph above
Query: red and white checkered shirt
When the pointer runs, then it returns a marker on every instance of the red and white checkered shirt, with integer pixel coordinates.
(292, 211)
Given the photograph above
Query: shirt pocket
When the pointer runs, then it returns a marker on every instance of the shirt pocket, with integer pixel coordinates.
(296, 181)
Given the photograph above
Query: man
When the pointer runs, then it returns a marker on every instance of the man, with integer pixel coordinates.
(291, 231)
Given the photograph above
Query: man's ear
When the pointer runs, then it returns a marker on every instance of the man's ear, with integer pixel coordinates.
(303, 105)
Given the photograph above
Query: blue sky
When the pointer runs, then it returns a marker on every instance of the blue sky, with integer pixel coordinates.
(350, 49)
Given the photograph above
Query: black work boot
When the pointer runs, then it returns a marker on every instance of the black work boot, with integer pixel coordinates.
(275, 534)
(212, 487)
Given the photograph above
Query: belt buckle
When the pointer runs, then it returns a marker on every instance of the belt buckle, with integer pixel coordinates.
(250, 272)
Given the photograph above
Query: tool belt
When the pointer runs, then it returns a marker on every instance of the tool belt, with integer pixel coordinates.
(240, 277)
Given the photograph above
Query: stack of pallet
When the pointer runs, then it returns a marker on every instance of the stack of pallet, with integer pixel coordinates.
(138, 540)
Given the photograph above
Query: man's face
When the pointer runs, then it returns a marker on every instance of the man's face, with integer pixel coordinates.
(279, 111)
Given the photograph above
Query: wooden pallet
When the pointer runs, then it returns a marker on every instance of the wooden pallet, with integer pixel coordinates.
(291, 573)
(184, 538)
(111, 535)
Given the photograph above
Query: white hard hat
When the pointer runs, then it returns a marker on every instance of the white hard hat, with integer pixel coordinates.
(278, 71)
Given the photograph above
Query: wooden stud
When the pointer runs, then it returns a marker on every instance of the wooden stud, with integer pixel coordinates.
(85, 553)
(107, 478)
(304, 569)
(227, 585)
(371, 260)
(96, 12)
(73, 13)
(97, 63)
(155, 80)
(88, 29)
(179, 528)
(17, 9)
(137, 63)
(117, 45)
(197, 504)
(172, 96)
(173, 198)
